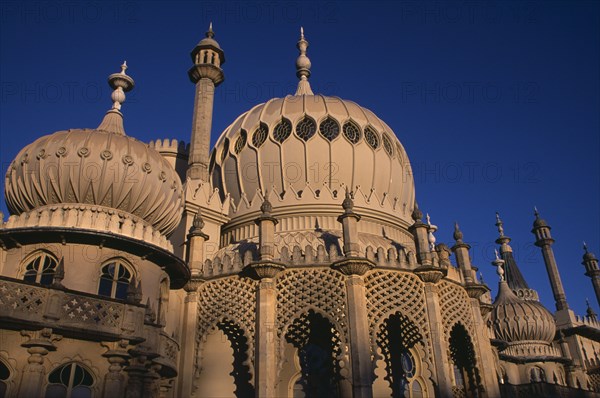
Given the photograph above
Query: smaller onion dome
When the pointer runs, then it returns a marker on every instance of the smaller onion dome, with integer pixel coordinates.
(515, 320)
(98, 168)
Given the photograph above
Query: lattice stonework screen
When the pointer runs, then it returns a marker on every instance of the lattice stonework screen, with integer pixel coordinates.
(323, 290)
(455, 307)
(390, 292)
(229, 299)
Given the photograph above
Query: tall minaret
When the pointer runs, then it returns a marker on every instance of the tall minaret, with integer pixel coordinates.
(543, 239)
(206, 74)
(591, 269)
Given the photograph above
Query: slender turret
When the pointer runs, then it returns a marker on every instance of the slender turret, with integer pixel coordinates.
(206, 74)
(544, 240)
(591, 269)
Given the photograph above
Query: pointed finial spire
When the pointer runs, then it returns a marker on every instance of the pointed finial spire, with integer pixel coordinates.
(536, 213)
(499, 224)
(121, 83)
(348, 203)
(210, 32)
(197, 222)
(303, 67)
(587, 255)
(266, 208)
(591, 314)
(59, 274)
(431, 238)
(499, 263)
(458, 235)
(417, 214)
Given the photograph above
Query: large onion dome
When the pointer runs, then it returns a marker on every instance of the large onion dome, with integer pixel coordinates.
(515, 320)
(305, 145)
(100, 167)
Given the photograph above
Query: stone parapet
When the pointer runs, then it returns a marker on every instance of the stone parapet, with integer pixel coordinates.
(79, 315)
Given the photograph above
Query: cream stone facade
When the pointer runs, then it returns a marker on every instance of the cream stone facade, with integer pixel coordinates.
(290, 260)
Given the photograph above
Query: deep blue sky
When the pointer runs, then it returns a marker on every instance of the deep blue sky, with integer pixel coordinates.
(497, 103)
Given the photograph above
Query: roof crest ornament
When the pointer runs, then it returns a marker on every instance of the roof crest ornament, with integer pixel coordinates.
(121, 83)
(303, 67)
(499, 224)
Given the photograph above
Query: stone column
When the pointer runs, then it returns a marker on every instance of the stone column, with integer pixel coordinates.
(431, 276)
(187, 360)
(195, 245)
(265, 270)
(482, 342)
(358, 324)
(151, 381)
(34, 374)
(463, 260)
(354, 267)
(136, 372)
(114, 380)
(420, 232)
(265, 355)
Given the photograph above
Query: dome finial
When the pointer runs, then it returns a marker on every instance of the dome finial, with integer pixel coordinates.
(303, 67)
(591, 314)
(121, 83)
(458, 235)
(499, 224)
(499, 263)
(417, 214)
(210, 32)
(348, 203)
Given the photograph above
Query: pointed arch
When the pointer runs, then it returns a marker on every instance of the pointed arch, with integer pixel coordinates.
(318, 349)
(39, 267)
(115, 275)
(462, 354)
(72, 379)
(400, 369)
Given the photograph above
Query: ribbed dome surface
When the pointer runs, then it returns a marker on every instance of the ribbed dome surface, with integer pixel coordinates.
(287, 143)
(95, 167)
(515, 320)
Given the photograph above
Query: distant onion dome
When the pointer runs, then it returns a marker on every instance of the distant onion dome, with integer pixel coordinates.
(515, 320)
(100, 167)
(285, 144)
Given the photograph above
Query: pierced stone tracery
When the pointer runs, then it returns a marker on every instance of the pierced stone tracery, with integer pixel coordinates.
(371, 137)
(260, 135)
(282, 131)
(229, 304)
(319, 347)
(390, 293)
(306, 128)
(240, 143)
(455, 307)
(329, 128)
(352, 132)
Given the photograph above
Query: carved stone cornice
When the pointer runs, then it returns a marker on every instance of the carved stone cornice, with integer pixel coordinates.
(265, 269)
(476, 290)
(193, 284)
(353, 266)
(430, 274)
(485, 308)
